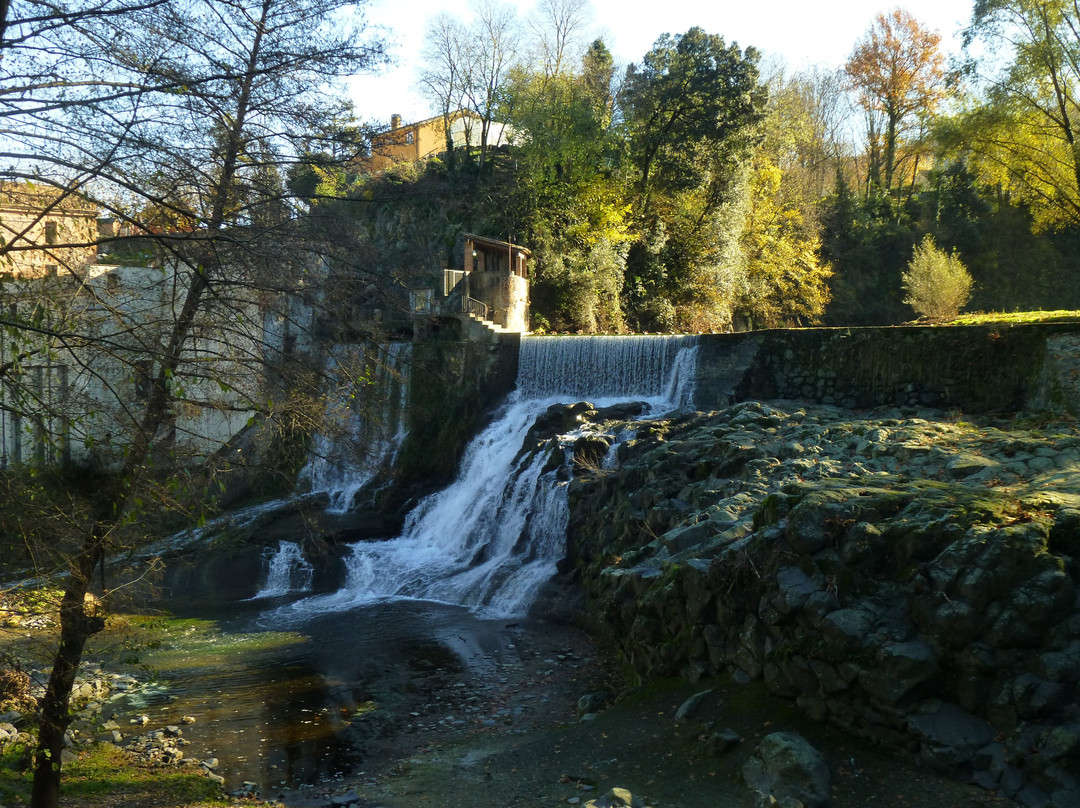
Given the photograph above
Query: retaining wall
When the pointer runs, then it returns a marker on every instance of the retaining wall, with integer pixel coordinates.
(972, 369)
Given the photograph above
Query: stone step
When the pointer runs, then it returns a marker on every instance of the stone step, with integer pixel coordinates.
(490, 325)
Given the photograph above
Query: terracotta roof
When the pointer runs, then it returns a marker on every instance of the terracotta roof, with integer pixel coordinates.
(434, 119)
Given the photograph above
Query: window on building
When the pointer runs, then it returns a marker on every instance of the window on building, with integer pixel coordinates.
(143, 369)
(52, 230)
(288, 344)
(409, 137)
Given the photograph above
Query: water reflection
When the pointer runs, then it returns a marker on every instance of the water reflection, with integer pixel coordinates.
(328, 698)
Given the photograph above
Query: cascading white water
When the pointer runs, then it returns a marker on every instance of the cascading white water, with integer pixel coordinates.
(657, 368)
(355, 444)
(364, 427)
(492, 538)
(288, 571)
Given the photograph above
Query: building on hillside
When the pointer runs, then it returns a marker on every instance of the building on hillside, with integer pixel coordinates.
(412, 142)
(44, 230)
(82, 341)
(493, 283)
(82, 372)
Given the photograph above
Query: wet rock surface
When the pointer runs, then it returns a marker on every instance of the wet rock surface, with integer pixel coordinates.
(636, 752)
(903, 575)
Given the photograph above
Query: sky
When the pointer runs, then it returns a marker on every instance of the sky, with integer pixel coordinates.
(803, 32)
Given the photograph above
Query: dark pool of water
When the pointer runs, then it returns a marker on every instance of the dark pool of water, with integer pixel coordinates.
(329, 696)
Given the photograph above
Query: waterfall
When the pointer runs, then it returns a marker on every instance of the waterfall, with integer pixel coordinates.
(287, 571)
(640, 367)
(363, 429)
(492, 538)
(362, 432)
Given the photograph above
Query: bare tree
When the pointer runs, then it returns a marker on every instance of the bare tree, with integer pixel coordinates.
(468, 65)
(559, 27)
(494, 41)
(805, 130)
(179, 118)
(446, 65)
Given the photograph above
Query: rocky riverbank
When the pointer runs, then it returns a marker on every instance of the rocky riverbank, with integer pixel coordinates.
(550, 727)
(903, 575)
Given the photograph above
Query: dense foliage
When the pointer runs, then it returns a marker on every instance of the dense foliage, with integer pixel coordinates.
(702, 189)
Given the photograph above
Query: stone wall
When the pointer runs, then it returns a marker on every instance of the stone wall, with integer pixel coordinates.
(460, 372)
(506, 294)
(972, 369)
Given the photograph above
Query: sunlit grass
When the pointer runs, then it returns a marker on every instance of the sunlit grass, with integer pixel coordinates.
(1016, 317)
(169, 642)
(104, 775)
(184, 643)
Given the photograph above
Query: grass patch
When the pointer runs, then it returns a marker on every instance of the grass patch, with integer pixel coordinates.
(105, 775)
(1016, 318)
(165, 642)
(177, 643)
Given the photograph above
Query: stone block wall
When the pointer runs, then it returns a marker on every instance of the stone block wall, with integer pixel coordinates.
(911, 580)
(459, 373)
(971, 369)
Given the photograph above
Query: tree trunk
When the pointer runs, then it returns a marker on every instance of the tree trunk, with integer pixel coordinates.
(5, 8)
(890, 149)
(77, 625)
(449, 134)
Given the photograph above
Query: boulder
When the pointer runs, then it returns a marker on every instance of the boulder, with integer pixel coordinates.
(8, 734)
(787, 766)
(689, 708)
(901, 668)
(593, 702)
(719, 743)
(617, 798)
(949, 736)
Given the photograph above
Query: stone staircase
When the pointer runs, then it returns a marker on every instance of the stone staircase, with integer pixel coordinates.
(491, 326)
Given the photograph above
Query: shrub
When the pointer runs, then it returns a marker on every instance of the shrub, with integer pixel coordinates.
(14, 686)
(937, 283)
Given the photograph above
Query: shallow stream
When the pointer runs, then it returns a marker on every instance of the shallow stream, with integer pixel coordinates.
(329, 697)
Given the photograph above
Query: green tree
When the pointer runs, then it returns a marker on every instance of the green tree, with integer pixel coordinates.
(865, 240)
(691, 109)
(784, 282)
(567, 197)
(692, 113)
(1021, 131)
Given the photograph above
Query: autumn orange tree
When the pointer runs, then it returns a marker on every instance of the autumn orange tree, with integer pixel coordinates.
(899, 73)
